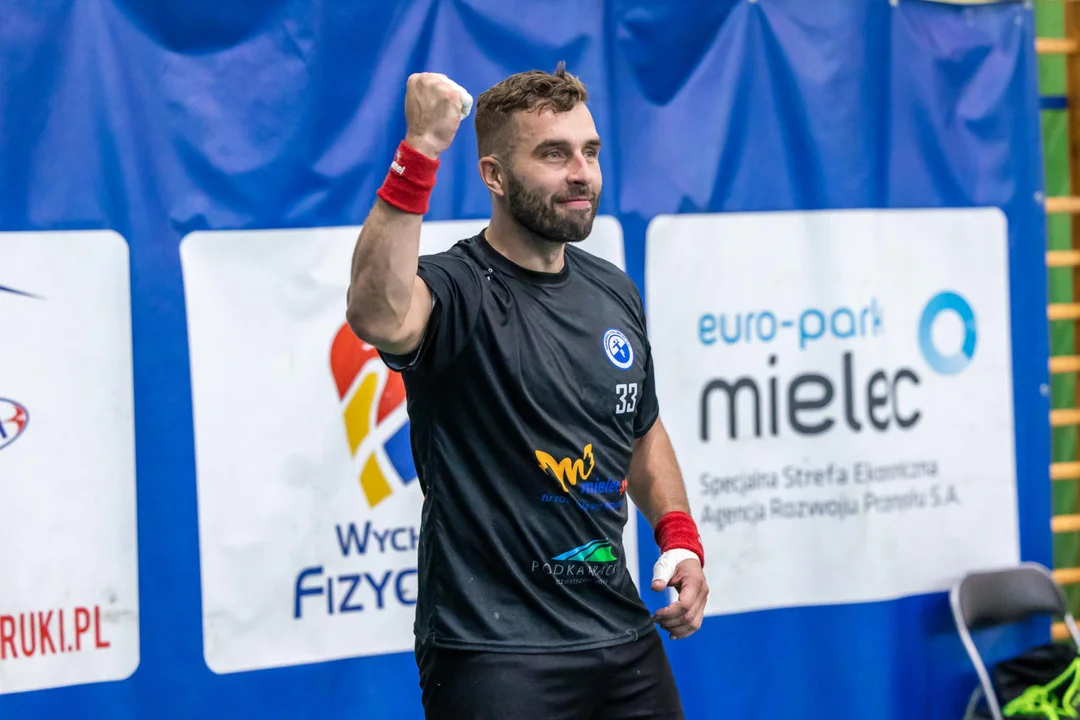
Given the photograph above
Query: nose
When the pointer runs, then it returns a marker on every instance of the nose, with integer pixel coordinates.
(577, 171)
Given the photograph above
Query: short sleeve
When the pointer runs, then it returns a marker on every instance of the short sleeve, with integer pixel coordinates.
(457, 294)
(648, 409)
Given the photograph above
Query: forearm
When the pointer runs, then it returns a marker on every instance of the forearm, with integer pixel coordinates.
(384, 265)
(655, 483)
(656, 486)
(388, 305)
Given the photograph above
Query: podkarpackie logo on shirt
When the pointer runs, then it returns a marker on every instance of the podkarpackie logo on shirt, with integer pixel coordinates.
(595, 561)
(577, 484)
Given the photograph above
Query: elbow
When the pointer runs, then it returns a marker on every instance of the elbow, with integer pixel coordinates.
(377, 329)
(362, 323)
(359, 317)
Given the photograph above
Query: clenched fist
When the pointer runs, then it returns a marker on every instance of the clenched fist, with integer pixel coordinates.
(434, 108)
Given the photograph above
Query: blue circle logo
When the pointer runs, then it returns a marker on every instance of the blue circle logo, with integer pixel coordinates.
(947, 364)
(619, 350)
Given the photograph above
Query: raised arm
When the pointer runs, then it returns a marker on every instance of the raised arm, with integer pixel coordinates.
(388, 305)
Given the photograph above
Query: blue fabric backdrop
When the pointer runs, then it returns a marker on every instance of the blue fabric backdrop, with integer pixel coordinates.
(156, 118)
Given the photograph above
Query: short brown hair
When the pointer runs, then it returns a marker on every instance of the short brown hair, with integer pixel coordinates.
(533, 90)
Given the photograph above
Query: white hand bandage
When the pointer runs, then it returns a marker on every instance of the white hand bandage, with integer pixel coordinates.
(466, 98)
(665, 566)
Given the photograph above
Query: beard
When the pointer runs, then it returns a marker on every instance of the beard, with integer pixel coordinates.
(545, 217)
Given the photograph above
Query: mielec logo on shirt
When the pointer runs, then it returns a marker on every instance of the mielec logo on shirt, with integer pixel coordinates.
(567, 469)
(592, 495)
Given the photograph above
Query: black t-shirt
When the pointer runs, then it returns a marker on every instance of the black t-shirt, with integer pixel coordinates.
(524, 398)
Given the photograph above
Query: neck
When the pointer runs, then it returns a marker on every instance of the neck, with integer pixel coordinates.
(523, 247)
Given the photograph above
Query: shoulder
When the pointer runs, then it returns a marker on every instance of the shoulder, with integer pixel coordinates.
(597, 268)
(458, 269)
(462, 256)
(605, 274)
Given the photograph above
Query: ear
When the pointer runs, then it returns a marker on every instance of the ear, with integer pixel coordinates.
(491, 172)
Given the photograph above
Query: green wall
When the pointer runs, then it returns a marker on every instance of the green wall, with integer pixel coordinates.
(1049, 19)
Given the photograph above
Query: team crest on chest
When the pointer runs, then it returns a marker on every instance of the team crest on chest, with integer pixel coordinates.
(618, 349)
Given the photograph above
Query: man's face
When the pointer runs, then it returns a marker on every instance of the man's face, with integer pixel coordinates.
(553, 183)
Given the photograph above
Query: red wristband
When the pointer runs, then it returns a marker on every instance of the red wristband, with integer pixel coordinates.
(409, 181)
(678, 530)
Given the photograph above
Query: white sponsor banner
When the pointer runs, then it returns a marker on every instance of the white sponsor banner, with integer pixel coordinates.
(69, 606)
(838, 388)
(309, 511)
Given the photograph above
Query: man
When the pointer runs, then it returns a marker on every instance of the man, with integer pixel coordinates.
(531, 395)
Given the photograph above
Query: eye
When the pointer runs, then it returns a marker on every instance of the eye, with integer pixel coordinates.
(553, 154)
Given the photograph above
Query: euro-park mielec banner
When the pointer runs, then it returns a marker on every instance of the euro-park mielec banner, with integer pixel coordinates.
(834, 394)
(206, 503)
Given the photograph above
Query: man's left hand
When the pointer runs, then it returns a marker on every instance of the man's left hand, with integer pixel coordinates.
(684, 616)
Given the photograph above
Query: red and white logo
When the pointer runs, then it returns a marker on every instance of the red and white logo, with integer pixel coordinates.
(13, 420)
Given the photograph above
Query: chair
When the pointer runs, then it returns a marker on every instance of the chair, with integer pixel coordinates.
(987, 599)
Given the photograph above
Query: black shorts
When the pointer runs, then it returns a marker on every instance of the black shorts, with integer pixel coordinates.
(631, 680)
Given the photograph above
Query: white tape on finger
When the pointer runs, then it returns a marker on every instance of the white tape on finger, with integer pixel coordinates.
(668, 561)
(467, 101)
(466, 98)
